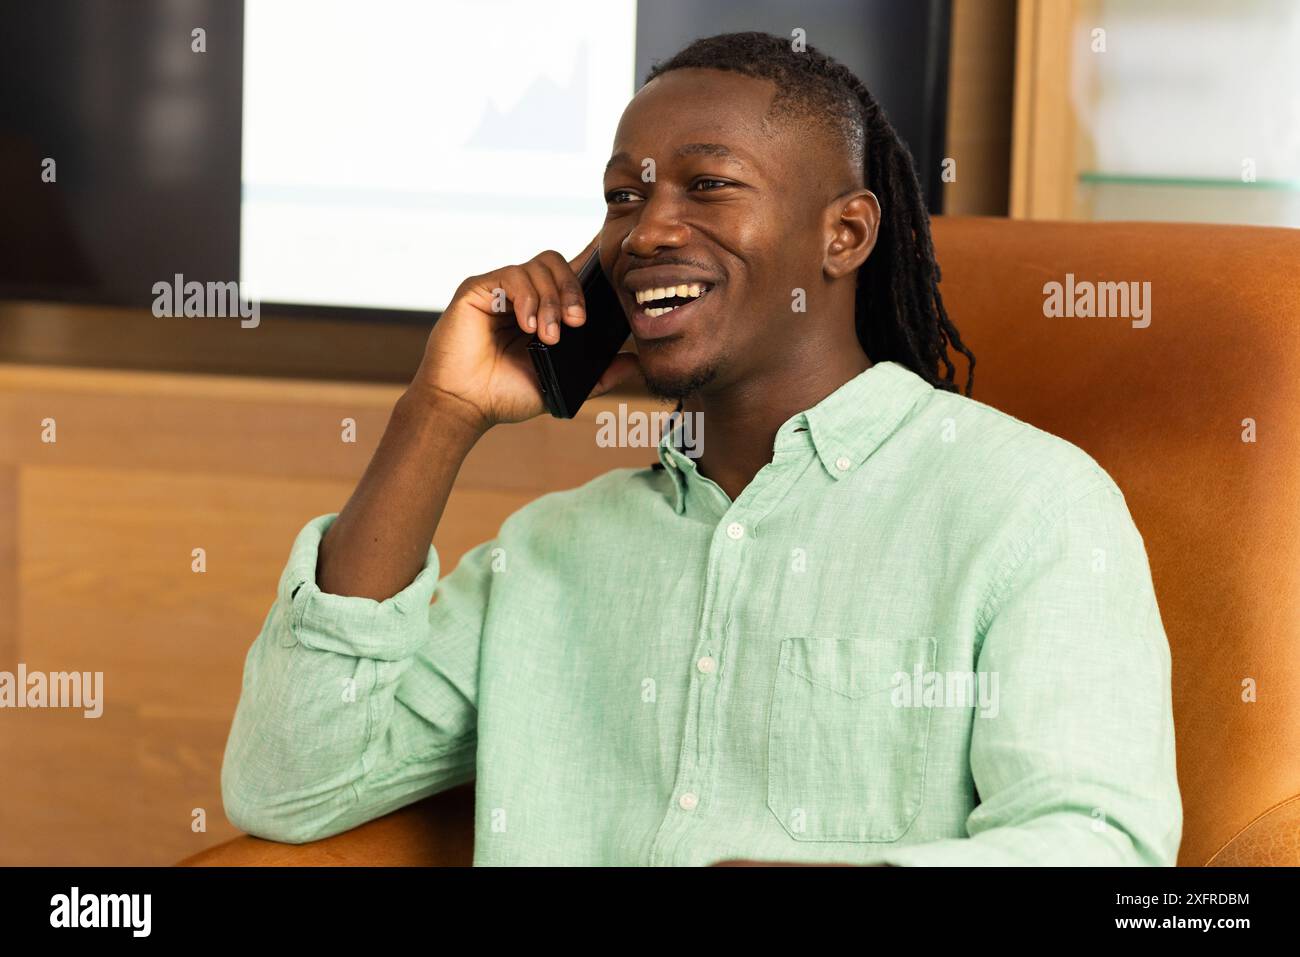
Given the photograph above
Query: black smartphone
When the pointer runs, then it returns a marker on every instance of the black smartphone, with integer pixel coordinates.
(570, 369)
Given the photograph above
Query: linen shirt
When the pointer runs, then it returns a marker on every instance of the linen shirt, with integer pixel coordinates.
(925, 633)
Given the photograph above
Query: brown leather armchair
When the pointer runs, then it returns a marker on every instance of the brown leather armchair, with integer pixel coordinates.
(1162, 408)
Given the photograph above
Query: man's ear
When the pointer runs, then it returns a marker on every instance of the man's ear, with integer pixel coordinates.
(853, 223)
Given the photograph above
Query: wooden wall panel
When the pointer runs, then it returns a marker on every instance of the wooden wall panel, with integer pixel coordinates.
(1043, 145)
(981, 75)
(96, 533)
(9, 594)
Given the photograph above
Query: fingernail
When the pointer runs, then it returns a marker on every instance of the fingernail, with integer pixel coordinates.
(574, 312)
(531, 323)
(553, 329)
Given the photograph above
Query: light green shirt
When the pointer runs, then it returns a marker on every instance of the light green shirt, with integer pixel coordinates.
(925, 633)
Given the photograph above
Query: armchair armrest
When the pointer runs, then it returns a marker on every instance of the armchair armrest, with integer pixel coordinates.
(1271, 840)
(437, 831)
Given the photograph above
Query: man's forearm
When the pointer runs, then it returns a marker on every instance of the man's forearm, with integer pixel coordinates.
(380, 539)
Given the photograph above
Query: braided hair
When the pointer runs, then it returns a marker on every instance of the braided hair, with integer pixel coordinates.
(898, 313)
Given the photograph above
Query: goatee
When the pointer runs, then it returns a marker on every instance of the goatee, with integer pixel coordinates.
(681, 386)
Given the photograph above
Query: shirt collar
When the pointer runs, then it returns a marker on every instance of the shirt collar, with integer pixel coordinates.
(844, 428)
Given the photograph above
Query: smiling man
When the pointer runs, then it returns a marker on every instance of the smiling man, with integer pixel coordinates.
(781, 650)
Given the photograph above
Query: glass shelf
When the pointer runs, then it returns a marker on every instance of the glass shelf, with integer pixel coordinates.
(1195, 199)
(1093, 178)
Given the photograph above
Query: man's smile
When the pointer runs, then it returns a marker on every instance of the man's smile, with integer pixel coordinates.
(660, 311)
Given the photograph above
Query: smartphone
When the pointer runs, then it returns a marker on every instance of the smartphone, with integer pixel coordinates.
(570, 369)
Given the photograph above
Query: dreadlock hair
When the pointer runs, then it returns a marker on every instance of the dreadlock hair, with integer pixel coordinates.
(898, 312)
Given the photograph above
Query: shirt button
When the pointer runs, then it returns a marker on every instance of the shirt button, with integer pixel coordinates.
(736, 530)
(706, 664)
(672, 462)
(688, 801)
(842, 463)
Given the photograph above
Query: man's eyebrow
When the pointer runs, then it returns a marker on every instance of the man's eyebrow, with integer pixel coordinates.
(686, 149)
(617, 158)
(707, 149)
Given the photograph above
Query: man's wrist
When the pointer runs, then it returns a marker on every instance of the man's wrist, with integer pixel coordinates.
(447, 416)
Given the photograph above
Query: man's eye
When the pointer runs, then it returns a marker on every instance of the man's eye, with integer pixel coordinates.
(619, 196)
(716, 182)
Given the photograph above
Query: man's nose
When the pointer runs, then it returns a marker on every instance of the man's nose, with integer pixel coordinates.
(658, 227)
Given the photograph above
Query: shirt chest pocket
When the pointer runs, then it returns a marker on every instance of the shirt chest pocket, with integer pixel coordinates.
(843, 762)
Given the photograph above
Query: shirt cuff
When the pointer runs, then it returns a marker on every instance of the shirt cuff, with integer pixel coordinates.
(388, 630)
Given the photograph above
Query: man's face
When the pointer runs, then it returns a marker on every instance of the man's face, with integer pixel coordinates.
(735, 208)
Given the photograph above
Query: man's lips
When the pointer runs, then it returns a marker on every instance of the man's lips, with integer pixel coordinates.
(646, 327)
(654, 277)
(665, 280)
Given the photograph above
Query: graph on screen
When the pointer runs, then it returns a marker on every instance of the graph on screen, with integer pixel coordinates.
(382, 166)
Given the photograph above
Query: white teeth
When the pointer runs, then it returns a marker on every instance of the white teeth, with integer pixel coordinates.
(692, 289)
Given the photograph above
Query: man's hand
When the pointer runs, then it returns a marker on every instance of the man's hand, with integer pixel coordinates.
(476, 360)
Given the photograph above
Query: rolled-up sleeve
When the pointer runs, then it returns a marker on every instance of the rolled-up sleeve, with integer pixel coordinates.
(1077, 765)
(351, 707)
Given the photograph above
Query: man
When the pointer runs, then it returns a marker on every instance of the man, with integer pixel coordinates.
(875, 622)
